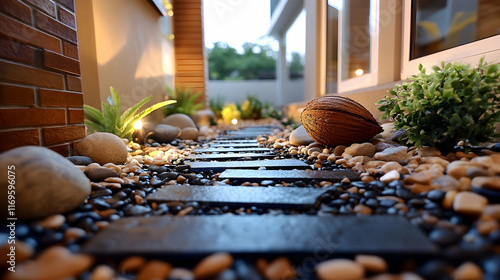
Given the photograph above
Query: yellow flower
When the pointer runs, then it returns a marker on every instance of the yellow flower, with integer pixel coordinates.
(230, 112)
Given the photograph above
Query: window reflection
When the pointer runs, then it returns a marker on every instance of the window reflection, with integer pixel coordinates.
(443, 24)
(356, 41)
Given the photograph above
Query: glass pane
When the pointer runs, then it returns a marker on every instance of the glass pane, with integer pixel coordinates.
(296, 47)
(443, 24)
(332, 42)
(355, 38)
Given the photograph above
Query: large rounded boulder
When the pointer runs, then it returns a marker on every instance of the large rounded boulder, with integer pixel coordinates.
(40, 182)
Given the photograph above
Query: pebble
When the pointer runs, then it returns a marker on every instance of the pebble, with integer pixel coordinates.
(371, 263)
(73, 233)
(47, 182)
(23, 251)
(444, 237)
(154, 269)
(364, 149)
(390, 176)
(424, 177)
(132, 264)
(212, 265)
(448, 199)
(469, 203)
(447, 182)
(181, 274)
(80, 160)
(280, 268)
(458, 169)
(178, 120)
(103, 147)
(428, 152)
(492, 210)
(491, 266)
(99, 174)
(398, 154)
(339, 269)
(468, 271)
(362, 209)
(53, 222)
(486, 227)
(299, 137)
(54, 263)
(102, 272)
(492, 183)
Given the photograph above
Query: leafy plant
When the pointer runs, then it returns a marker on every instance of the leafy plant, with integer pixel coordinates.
(187, 101)
(455, 102)
(269, 111)
(110, 120)
(216, 105)
(251, 108)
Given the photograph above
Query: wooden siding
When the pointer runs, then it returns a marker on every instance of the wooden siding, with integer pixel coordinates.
(188, 44)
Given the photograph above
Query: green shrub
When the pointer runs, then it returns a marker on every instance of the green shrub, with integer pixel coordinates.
(111, 121)
(251, 108)
(187, 101)
(216, 105)
(455, 102)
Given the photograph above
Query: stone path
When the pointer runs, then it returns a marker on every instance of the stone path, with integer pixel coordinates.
(299, 236)
(180, 237)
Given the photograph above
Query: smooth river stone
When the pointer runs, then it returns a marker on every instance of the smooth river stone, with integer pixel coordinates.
(300, 137)
(469, 203)
(46, 183)
(179, 120)
(103, 147)
(340, 269)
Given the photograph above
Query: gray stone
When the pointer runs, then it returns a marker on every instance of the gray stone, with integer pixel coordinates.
(229, 156)
(103, 147)
(388, 130)
(80, 160)
(398, 154)
(179, 120)
(230, 150)
(203, 117)
(248, 164)
(288, 175)
(300, 137)
(164, 133)
(189, 133)
(98, 174)
(45, 183)
(260, 235)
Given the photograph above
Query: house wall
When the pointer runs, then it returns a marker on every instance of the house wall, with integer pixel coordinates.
(41, 96)
(123, 46)
(264, 90)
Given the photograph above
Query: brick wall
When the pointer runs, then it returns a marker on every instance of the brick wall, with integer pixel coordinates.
(41, 96)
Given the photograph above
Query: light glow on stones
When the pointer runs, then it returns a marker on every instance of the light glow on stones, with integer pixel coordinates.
(234, 121)
(138, 124)
(359, 72)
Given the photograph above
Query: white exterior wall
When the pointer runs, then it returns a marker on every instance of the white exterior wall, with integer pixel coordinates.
(265, 90)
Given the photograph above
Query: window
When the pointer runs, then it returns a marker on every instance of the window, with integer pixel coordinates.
(369, 49)
(448, 30)
(332, 42)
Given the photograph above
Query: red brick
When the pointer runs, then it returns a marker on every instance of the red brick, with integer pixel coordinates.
(16, 95)
(10, 118)
(26, 34)
(30, 76)
(74, 148)
(16, 138)
(70, 50)
(56, 98)
(55, 28)
(66, 17)
(57, 135)
(13, 50)
(74, 83)
(63, 149)
(60, 62)
(17, 10)
(75, 116)
(45, 6)
(70, 4)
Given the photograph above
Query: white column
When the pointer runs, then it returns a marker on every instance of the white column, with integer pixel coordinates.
(315, 58)
(281, 71)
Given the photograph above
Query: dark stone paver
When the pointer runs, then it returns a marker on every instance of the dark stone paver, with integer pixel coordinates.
(235, 141)
(229, 156)
(239, 196)
(230, 150)
(235, 137)
(288, 175)
(235, 145)
(247, 164)
(296, 235)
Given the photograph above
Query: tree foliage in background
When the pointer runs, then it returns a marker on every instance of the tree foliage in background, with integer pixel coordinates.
(224, 62)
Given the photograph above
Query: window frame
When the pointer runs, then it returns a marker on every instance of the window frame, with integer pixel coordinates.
(468, 53)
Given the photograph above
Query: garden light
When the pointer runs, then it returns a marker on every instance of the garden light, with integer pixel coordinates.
(359, 72)
(234, 121)
(138, 124)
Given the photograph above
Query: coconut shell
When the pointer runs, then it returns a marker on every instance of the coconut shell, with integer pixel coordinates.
(337, 120)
